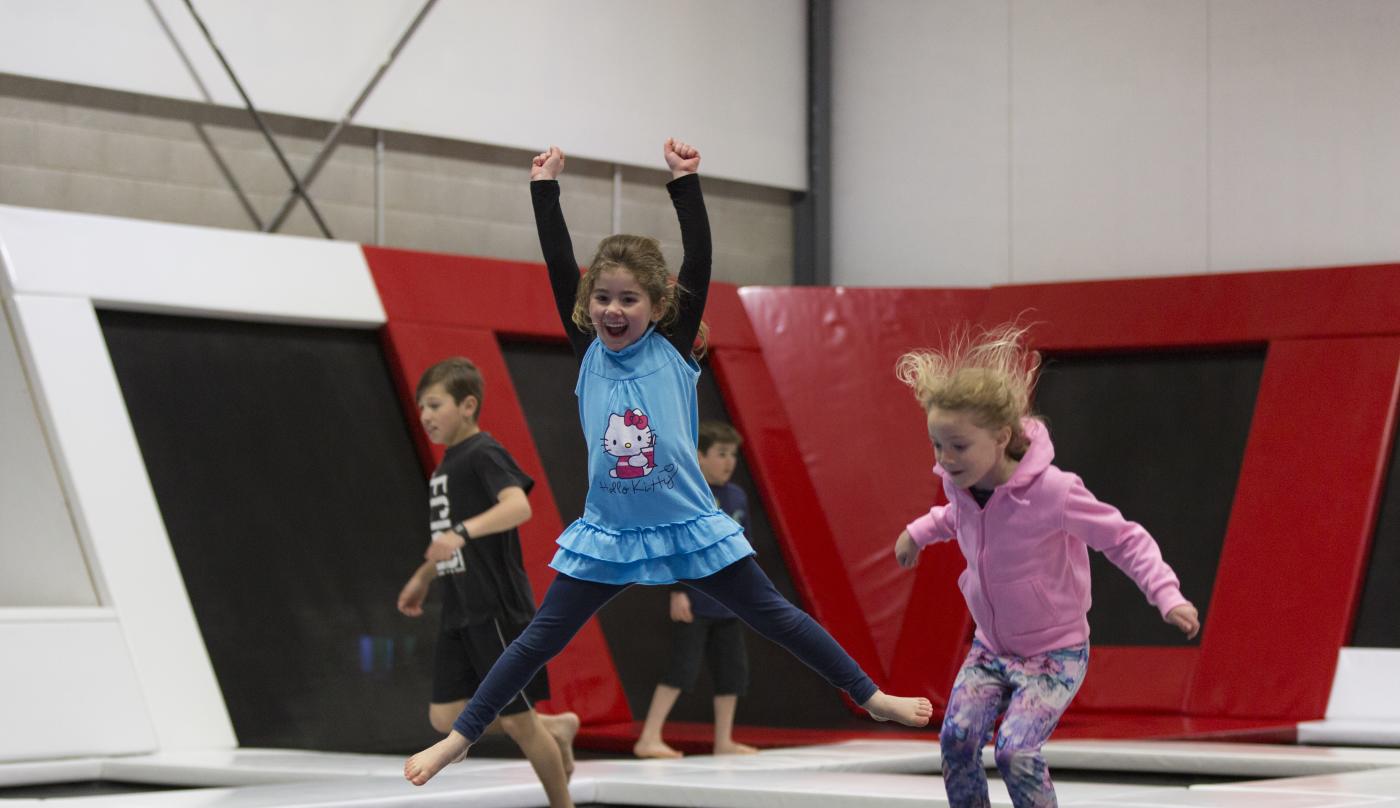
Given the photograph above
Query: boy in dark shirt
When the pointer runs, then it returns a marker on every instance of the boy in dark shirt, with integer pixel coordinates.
(701, 626)
(477, 498)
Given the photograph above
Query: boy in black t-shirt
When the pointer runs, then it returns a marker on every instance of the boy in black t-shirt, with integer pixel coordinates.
(701, 627)
(477, 498)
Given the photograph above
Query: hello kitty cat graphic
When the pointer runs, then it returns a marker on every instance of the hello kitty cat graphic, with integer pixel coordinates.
(630, 439)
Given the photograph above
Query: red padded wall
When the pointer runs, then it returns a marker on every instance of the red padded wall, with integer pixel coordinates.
(831, 353)
(1200, 310)
(1137, 679)
(1300, 528)
(839, 452)
(936, 630)
(509, 297)
(809, 548)
(1304, 381)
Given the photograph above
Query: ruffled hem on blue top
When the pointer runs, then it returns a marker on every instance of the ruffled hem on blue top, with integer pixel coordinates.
(656, 554)
(650, 541)
(654, 571)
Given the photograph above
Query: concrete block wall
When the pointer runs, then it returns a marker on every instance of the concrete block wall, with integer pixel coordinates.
(93, 150)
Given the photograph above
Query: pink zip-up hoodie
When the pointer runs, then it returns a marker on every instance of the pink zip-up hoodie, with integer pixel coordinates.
(1027, 576)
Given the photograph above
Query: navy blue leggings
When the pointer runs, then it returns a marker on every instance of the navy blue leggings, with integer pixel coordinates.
(741, 586)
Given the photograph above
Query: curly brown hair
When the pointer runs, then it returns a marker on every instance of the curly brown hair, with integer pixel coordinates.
(641, 256)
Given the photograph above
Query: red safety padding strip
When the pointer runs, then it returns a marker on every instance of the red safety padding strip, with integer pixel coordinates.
(508, 297)
(1201, 310)
(1300, 528)
(1162, 727)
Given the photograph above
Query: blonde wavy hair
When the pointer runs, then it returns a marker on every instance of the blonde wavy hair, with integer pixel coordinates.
(642, 257)
(987, 374)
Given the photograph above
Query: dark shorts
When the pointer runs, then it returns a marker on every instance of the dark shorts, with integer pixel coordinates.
(466, 653)
(721, 643)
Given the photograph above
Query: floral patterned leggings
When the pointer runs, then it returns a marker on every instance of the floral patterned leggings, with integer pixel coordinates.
(1033, 692)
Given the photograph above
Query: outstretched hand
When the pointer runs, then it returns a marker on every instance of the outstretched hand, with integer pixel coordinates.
(681, 157)
(1185, 618)
(906, 552)
(547, 165)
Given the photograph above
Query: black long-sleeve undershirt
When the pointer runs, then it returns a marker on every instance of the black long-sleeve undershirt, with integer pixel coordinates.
(694, 276)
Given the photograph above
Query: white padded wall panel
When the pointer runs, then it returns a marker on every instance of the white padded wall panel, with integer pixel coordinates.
(1109, 156)
(55, 267)
(67, 687)
(1364, 685)
(116, 512)
(919, 143)
(41, 563)
(155, 266)
(1305, 113)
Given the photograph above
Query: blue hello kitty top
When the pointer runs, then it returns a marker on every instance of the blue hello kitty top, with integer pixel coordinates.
(650, 517)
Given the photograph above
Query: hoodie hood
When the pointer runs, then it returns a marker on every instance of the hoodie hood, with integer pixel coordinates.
(1038, 457)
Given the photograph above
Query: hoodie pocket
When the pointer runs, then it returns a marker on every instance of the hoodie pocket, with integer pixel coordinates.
(1021, 607)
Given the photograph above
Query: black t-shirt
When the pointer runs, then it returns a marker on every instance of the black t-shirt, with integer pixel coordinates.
(486, 578)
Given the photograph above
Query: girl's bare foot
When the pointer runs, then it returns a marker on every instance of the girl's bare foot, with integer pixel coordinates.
(646, 748)
(420, 768)
(907, 710)
(563, 727)
(734, 748)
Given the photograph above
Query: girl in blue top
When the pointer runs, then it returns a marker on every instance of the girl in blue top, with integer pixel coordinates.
(650, 517)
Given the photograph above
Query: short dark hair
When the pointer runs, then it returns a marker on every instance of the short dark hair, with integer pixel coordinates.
(458, 375)
(712, 432)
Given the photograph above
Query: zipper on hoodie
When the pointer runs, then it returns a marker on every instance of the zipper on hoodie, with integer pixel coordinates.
(981, 563)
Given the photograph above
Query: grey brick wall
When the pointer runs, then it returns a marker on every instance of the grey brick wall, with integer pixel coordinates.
(87, 149)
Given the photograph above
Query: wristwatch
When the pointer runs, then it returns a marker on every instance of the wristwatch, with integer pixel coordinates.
(461, 530)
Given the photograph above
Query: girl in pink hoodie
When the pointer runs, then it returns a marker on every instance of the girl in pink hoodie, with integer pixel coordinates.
(1025, 528)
